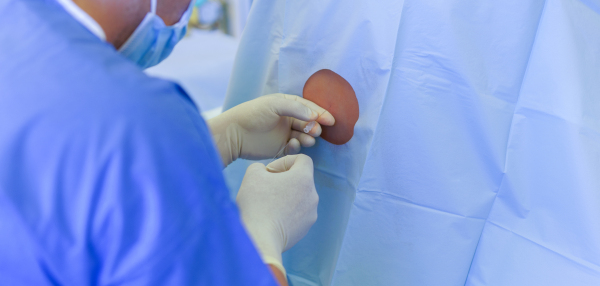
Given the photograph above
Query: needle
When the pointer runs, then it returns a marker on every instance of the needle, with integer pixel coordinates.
(307, 129)
(279, 153)
(312, 124)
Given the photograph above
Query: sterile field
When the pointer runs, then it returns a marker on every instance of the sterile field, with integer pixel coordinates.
(476, 157)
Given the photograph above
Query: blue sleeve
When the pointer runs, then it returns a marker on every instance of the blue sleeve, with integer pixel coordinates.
(107, 177)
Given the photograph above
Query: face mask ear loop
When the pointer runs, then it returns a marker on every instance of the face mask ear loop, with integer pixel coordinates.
(153, 6)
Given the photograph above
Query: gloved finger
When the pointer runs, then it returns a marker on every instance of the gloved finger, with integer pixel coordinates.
(256, 167)
(303, 163)
(289, 162)
(324, 117)
(299, 125)
(291, 108)
(282, 164)
(304, 139)
(293, 147)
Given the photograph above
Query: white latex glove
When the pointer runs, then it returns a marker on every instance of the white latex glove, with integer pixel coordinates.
(260, 128)
(278, 205)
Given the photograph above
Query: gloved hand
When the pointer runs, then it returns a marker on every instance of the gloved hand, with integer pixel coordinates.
(259, 128)
(278, 205)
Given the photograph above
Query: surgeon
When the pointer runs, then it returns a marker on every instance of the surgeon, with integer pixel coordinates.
(111, 177)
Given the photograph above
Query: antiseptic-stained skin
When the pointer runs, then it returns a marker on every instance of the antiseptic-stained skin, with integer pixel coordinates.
(332, 92)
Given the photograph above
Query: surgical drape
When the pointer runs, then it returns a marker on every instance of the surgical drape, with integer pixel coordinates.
(107, 176)
(476, 157)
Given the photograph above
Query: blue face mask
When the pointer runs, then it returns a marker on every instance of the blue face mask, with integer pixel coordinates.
(153, 41)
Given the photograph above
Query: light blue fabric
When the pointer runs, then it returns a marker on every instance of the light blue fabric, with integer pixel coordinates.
(107, 176)
(153, 41)
(476, 158)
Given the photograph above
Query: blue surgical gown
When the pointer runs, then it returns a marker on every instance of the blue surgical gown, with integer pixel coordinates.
(476, 157)
(107, 176)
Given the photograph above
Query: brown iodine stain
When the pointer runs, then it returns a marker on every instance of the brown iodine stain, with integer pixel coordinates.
(332, 92)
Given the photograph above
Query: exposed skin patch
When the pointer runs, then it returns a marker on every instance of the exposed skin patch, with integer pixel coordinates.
(332, 92)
